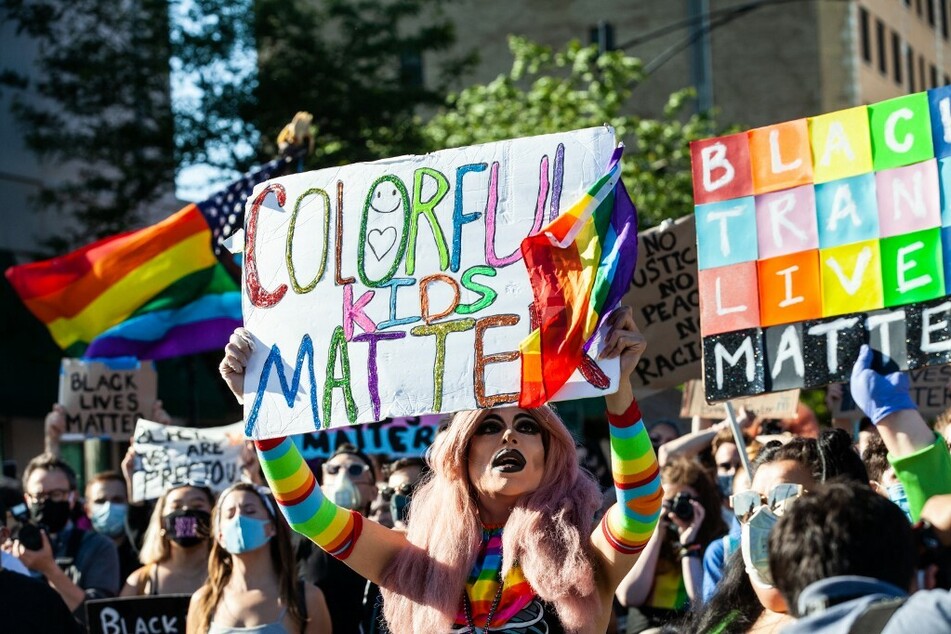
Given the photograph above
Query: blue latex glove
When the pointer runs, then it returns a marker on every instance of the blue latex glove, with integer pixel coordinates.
(876, 394)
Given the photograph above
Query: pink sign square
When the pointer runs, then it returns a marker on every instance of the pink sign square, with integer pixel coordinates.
(908, 199)
(786, 222)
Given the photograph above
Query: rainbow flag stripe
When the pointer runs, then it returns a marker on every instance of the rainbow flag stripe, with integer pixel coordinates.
(84, 293)
(580, 266)
(298, 495)
(483, 585)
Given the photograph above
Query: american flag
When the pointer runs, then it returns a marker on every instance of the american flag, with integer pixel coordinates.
(224, 211)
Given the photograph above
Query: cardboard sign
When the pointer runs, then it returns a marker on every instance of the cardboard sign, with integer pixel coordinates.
(775, 405)
(393, 438)
(666, 303)
(818, 235)
(397, 288)
(929, 390)
(163, 614)
(167, 455)
(106, 397)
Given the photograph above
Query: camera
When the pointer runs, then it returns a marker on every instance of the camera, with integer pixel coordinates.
(29, 532)
(681, 507)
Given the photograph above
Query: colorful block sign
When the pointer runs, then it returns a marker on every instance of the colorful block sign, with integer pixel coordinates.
(844, 229)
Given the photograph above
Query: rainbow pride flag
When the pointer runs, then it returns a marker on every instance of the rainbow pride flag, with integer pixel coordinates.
(155, 293)
(84, 294)
(580, 266)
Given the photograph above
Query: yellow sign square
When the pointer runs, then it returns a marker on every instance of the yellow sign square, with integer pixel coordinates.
(841, 144)
(851, 278)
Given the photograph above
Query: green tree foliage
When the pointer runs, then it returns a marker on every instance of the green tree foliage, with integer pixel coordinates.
(104, 89)
(553, 91)
(98, 106)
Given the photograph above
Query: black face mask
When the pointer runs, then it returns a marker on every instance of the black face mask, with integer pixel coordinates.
(187, 527)
(52, 515)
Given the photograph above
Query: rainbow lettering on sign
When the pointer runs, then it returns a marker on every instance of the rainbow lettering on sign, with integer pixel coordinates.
(817, 235)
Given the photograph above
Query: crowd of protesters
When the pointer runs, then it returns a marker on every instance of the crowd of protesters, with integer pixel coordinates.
(829, 531)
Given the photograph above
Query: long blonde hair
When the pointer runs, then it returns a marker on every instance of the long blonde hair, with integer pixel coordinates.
(548, 534)
(220, 566)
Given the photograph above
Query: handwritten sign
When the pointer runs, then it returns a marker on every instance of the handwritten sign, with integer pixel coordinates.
(167, 454)
(818, 235)
(929, 390)
(774, 405)
(106, 397)
(666, 302)
(397, 288)
(394, 438)
(163, 614)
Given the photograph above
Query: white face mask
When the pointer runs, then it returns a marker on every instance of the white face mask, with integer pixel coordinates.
(754, 543)
(346, 494)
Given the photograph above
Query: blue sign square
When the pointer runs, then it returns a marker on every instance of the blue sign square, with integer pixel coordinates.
(726, 232)
(847, 211)
(939, 102)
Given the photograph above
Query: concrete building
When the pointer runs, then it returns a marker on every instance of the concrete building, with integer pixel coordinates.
(756, 61)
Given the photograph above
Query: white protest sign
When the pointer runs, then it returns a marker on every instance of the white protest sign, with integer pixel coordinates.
(107, 396)
(397, 288)
(167, 454)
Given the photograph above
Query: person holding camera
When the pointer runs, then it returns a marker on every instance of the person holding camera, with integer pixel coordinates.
(668, 577)
(78, 564)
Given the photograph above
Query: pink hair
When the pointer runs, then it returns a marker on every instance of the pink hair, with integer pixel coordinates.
(548, 534)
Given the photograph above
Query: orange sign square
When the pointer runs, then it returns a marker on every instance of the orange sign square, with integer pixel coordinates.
(789, 289)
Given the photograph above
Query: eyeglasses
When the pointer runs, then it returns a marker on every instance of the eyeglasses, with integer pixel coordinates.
(403, 489)
(354, 469)
(54, 495)
(779, 498)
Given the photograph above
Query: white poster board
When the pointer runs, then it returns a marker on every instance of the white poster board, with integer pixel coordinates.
(397, 288)
(168, 454)
(105, 398)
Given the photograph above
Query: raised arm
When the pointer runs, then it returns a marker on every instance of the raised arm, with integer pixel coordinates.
(919, 456)
(362, 544)
(628, 525)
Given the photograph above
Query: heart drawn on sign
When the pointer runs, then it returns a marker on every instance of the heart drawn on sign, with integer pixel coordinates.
(381, 241)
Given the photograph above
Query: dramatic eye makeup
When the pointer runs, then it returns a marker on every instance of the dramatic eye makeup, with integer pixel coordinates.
(491, 424)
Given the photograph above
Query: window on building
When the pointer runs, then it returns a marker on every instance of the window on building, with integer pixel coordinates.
(918, 8)
(907, 3)
(910, 59)
(864, 35)
(921, 73)
(896, 57)
(947, 81)
(943, 16)
(933, 71)
(411, 69)
(880, 41)
(931, 11)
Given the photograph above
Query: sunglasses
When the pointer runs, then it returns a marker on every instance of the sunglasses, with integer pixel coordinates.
(403, 489)
(779, 498)
(354, 469)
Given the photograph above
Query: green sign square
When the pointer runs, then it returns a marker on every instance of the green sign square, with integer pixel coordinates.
(901, 131)
(912, 269)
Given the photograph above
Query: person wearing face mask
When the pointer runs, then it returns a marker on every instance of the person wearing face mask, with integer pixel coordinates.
(746, 599)
(107, 507)
(405, 475)
(175, 549)
(78, 564)
(252, 584)
(349, 479)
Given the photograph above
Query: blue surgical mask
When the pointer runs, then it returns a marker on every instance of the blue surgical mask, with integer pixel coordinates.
(108, 518)
(243, 534)
(896, 493)
(725, 484)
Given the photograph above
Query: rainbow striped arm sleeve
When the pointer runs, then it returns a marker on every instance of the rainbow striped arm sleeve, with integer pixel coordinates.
(308, 512)
(629, 524)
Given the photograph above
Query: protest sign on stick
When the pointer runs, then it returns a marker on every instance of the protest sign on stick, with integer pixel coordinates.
(666, 303)
(397, 288)
(167, 454)
(107, 396)
(774, 405)
(138, 615)
(818, 235)
(929, 390)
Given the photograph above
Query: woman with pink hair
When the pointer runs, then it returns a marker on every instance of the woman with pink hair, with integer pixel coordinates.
(501, 535)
